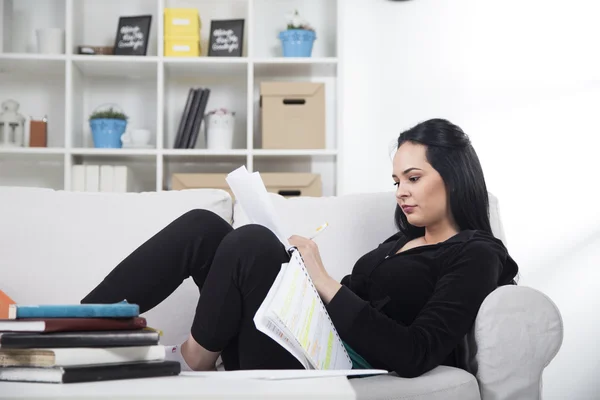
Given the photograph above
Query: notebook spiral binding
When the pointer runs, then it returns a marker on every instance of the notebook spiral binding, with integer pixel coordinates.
(291, 251)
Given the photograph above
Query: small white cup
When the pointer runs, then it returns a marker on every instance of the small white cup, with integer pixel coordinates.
(137, 137)
(50, 41)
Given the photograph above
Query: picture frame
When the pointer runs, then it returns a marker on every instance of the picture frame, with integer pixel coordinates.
(133, 35)
(226, 38)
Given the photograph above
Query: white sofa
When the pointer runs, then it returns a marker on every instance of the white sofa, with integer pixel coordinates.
(55, 246)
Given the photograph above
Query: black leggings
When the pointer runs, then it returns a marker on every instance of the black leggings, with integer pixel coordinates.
(233, 269)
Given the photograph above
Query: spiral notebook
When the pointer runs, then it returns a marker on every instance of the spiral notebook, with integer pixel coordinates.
(292, 313)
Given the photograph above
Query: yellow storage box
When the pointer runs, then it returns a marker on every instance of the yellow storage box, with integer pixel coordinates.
(182, 22)
(181, 47)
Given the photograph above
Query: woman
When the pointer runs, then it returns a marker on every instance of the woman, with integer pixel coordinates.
(408, 305)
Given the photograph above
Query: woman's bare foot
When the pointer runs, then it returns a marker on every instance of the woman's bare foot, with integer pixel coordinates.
(197, 357)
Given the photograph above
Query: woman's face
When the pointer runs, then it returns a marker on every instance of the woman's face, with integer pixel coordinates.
(419, 186)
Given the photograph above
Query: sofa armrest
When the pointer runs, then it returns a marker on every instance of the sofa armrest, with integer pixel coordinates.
(518, 331)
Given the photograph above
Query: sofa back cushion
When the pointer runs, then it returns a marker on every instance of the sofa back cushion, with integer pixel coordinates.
(358, 223)
(56, 246)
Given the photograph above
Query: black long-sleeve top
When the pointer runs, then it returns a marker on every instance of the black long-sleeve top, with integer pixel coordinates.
(410, 312)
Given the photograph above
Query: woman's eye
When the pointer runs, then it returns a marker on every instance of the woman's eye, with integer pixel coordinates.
(414, 178)
(396, 183)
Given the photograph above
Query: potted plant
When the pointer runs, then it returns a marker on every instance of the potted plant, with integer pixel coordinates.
(107, 127)
(297, 40)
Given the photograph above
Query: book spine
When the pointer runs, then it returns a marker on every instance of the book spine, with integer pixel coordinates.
(146, 369)
(17, 311)
(111, 355)
(78, 339)
(93, 324)
(91, 373)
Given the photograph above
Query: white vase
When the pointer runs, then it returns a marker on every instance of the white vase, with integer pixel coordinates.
(219, 131)
(51, 41)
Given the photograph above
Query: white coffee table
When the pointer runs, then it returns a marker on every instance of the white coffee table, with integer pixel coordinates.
(184, 387)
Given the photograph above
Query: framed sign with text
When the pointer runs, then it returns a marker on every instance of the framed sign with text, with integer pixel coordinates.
(133, 35)
(226, 38)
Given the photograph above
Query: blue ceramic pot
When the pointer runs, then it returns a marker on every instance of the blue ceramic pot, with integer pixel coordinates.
(107, 132)
(297, 42)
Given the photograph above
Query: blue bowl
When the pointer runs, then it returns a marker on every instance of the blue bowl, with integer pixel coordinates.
(297, 42)
(107, 132)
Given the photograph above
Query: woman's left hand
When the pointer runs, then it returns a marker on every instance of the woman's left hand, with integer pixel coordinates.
(325, 284)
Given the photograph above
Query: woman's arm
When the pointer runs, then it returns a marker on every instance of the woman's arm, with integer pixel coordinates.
(442, 323)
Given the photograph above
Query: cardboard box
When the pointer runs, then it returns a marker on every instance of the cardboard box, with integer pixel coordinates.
(287, 184)
(293, 115)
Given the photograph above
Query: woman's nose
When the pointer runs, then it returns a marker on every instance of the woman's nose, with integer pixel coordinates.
(401, 191)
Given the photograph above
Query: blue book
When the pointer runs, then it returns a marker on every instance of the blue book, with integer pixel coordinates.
(115, 310)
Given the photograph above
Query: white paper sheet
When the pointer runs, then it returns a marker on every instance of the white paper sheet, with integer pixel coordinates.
(250, 191)
(281, 374)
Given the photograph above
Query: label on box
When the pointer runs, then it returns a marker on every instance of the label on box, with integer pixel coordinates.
(181, 47)
(180, 21)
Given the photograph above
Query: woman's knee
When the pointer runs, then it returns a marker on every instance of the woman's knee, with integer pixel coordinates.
(202, 221)
(254, 236)
(255, 253)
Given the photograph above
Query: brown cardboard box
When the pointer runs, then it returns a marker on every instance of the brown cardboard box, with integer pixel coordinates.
(293, 115)
(288, 184)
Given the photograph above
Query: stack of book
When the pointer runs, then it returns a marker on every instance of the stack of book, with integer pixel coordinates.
(191, 118)
(103, 178)
(79, 343)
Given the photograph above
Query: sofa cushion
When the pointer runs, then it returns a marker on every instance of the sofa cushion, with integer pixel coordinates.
(357, 224)
(58, 245)
(440, 383)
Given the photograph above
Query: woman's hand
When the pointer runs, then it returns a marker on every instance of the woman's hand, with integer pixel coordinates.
(325, 284)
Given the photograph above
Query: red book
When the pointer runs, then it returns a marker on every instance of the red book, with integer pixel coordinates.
(72, 324)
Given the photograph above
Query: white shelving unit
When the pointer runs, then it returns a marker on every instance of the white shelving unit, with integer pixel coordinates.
(152, 89)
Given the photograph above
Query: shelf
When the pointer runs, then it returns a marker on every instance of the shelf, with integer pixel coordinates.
(94, 22)
(32, 153)
(145, 66)
(295, 153)
(113, 152)
(291, 66)
(199, 66)
(32, 64)
(32, 150)
(204, 152)
(296, 60)
(194, 158)
(269, 20)
(152, 90)
(136, 67)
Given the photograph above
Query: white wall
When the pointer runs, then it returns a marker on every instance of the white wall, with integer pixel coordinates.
(522, 78)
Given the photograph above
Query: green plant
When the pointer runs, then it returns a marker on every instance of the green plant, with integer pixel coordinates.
(295, 21)
(110, 113)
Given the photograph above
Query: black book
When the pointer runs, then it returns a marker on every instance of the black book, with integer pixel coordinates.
(91, 373)
(189, 125)
(199, 118)
(184, 118)
(14, 340)
(196, 120)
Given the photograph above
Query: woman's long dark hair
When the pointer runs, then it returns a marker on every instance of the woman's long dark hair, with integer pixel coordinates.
(450, 153)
